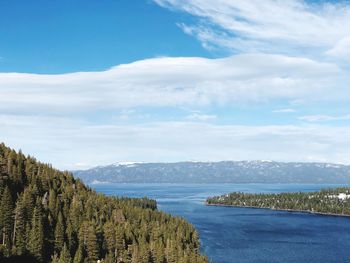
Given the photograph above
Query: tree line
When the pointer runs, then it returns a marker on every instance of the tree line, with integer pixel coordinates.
(53, 217)
(325, 201)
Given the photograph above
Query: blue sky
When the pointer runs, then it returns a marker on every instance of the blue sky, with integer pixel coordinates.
(68, 36)
(85, 83)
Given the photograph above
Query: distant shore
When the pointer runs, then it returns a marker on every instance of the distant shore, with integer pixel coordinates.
(283, 210)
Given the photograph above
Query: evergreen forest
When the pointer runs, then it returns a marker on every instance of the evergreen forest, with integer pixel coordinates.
(50, 216)
(327, 201)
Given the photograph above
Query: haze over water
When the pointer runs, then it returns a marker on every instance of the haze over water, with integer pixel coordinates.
(249, 235)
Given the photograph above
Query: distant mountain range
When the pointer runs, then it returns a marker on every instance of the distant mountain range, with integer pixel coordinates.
(217, 172)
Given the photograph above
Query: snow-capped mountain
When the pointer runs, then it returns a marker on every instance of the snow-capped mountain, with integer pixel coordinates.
(218, 172)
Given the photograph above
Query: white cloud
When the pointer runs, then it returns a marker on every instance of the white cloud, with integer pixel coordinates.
(266, 26)
(49, 115)
(341, 50)
(170, 82)
(73, 144)
(54, 116)
(125, 114)
(288, 110)
(201, 117)
(318, 118)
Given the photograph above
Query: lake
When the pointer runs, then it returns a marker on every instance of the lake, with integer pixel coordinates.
(246, 235)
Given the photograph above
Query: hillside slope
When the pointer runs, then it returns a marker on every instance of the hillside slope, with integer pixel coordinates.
(53, 217)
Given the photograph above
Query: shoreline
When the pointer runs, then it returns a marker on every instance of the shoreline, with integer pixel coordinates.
(282, 210)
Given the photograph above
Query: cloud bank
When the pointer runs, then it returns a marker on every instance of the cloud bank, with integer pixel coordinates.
(170, 81)
(290, 55)
(75, 144)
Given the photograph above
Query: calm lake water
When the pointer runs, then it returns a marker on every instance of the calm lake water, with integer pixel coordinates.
(249, 235)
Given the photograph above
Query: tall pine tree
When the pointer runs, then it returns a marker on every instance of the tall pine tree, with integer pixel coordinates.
(59, 233)
(79, 255)
(36, 236)
(19, 233)
(6, 217)
(65, 256)
(91, 244)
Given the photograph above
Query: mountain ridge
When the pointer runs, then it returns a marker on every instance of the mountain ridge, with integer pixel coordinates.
(256, 171)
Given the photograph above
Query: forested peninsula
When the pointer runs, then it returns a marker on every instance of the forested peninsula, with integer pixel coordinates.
(50, 216)
(328, 201)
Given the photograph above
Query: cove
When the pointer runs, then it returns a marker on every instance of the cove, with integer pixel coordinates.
(247, 235)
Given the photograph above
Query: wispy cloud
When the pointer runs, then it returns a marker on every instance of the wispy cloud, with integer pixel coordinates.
(201, 117)
(341, 49)
(288, 110)
(320, 118)
(125, 114)
(266, 26)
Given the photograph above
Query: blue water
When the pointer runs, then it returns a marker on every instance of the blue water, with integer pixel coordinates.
(245, 235)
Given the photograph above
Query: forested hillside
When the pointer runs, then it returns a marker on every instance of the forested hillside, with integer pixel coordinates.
(53, 217)
(328, 201)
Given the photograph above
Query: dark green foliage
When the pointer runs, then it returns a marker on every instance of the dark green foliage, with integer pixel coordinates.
(79, 257)
(6, 218)
(59, 233)
(51, 216)
(64, 256)
(91, 245)
(325, 201)
(36, 235)
(19, 233)
(17, 259)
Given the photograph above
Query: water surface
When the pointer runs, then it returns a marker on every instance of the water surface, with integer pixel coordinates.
(246, 235)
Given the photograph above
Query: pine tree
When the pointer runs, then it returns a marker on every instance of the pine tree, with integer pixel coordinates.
(19, 234)
(52, 202)
(109, 258)
(79, 255)
(36, 237)
(19, 170)
(135, 255)
(71, 237)
(29, 203)
(65, 256)
(127, 255)
(159, 253)
(109, 236)
(59, 233)
(119, 242)
(54, 258)
(6, 213)
(171, 253)
(145, 254)
(91, 244)
(10, 162)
